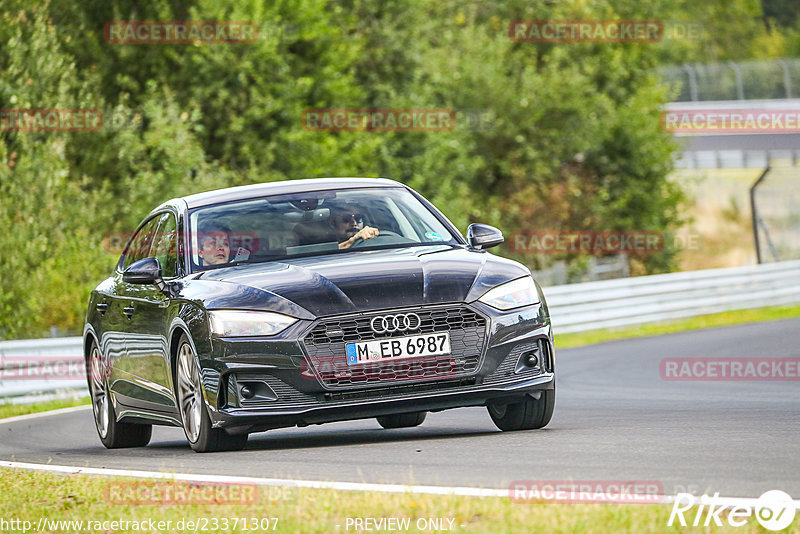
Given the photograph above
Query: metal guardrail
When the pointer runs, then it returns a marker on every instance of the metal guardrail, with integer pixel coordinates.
(646, 299)
(574, 308)
(29, 366)
(735, 80)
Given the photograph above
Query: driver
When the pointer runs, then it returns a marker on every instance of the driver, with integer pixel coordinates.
(214, 245)
(348, 225)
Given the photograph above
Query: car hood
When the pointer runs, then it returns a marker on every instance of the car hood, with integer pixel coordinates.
(360, 281)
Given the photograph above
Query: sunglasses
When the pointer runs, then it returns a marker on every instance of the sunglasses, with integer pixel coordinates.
(349, 217)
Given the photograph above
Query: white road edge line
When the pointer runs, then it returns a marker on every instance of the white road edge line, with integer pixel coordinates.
(36, 415)
(224, 479)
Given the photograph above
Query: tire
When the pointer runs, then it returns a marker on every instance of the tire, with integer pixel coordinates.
(191, 405)
(402, 420)
(526, 415)
(113, 434)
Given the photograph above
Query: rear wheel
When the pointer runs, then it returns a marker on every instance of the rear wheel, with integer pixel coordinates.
(113, 434)
(525, 415)
(402, 420)
(196, 422)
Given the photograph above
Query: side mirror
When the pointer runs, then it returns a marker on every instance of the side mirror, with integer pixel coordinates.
(145, 271)
(482, 236)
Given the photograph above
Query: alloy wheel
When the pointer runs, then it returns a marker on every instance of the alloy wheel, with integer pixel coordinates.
(189, 395)
(99, 397)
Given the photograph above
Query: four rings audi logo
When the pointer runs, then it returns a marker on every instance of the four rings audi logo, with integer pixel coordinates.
(395, 323)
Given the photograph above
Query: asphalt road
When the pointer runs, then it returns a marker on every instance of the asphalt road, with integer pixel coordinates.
(615, 419)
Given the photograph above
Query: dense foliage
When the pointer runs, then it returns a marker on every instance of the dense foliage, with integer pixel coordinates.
(572, 138)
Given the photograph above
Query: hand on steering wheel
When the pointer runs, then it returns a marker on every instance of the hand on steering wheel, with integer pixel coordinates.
(368, 232)
(365, 233)
(383, 233)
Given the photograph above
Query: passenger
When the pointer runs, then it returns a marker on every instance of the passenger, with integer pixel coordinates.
(348, 226)
(214, 243)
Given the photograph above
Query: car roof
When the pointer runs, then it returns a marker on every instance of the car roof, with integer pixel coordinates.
(279, 188)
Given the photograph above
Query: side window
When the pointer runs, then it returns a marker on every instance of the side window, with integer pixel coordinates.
(139, 247)
(165, 248)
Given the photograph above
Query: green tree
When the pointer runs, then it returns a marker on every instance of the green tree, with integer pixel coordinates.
(570, 137)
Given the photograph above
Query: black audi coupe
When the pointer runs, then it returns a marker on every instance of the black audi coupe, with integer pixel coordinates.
(310, 301)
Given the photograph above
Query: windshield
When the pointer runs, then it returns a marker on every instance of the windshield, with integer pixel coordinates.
(323, 222)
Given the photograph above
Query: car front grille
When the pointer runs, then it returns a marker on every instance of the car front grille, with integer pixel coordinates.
(325, 346)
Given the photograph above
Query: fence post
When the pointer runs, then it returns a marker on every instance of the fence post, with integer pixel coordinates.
(754, 211)
(787, 80)
(692, 82)
(739, 84)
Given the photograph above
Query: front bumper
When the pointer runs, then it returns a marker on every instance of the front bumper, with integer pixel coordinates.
(255, 420)
(288, 389)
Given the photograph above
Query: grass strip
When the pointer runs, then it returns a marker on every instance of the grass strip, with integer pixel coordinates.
(28, 496)
(10, 410)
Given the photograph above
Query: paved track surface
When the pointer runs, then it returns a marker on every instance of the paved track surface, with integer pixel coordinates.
(615, 419)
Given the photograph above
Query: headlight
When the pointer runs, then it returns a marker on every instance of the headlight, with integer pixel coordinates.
(240, 323)
(514, 294)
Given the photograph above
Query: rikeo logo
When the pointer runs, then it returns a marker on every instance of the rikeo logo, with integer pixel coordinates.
(774, 510)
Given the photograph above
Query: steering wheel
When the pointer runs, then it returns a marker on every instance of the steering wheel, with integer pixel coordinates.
(358, 242)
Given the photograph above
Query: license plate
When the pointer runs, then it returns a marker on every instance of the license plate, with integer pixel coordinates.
(398, 347)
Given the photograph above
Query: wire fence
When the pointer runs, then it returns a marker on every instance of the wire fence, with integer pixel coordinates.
(739, 80)
(777, 201)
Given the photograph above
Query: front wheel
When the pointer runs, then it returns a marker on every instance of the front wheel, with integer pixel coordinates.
(525, 415)
(402, 420)
(113, 434)
(196, 422)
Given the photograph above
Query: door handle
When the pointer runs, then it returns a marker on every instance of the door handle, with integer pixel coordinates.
(102, 307)
(129, 310)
